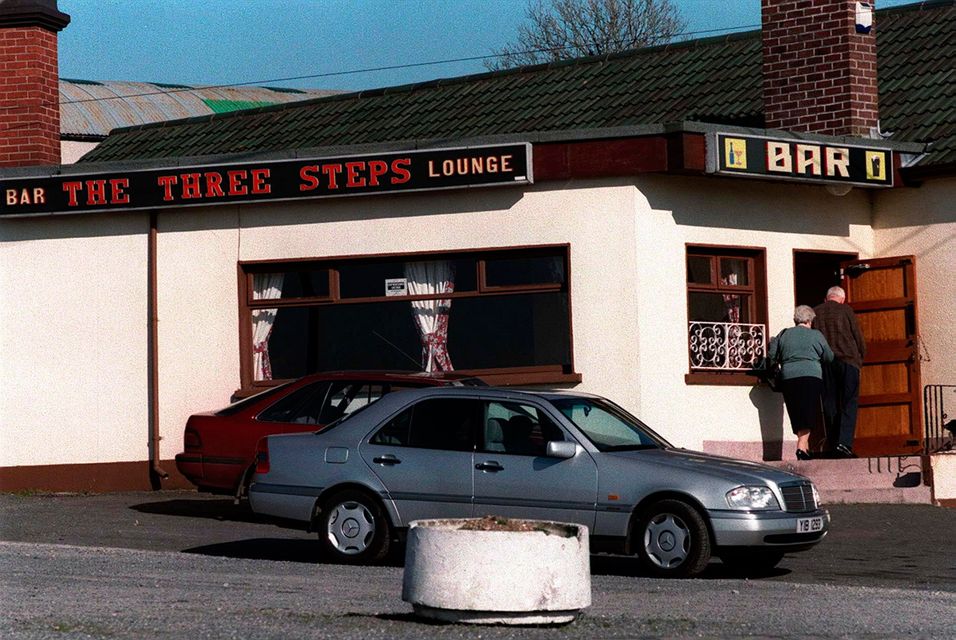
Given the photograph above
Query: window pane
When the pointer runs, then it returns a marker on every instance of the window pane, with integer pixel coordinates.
(511, 272)
(734, 271)
(510, 331)
(347, 397)
(305, 283)
(444, 424)
(718, 307)
(518, 429)
(396, 431)
(368, 280)
(300, 407)
(698, 270)
(484, 332)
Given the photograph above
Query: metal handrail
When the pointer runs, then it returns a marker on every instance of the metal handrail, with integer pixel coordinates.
(937, 419)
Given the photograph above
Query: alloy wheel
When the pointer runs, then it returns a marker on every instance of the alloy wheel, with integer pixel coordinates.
(351, 527)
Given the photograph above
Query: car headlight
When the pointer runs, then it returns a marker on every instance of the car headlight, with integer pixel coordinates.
(816, 495)
(752, 498)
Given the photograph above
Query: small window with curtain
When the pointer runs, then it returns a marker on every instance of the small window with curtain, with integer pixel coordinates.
(726, 309)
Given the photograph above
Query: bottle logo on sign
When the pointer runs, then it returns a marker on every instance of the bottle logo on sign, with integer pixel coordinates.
(735, 153)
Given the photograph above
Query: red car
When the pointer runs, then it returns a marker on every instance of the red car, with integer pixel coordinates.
(220, 446)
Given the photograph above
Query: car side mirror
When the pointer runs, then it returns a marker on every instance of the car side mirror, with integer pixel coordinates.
(561, 449)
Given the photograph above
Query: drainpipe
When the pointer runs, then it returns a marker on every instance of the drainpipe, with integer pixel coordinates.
(156, 472)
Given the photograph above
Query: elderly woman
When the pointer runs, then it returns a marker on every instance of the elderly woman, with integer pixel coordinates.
(802, 352)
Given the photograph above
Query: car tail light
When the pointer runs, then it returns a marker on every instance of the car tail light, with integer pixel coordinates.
(191, 439)
(262, 456)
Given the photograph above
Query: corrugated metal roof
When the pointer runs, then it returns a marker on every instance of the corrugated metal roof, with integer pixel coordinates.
(91, 109)
(714, 80)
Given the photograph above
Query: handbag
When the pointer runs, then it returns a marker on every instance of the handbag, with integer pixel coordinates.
(771, 370)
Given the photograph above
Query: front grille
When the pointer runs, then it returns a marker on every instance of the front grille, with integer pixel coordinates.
(798, 498)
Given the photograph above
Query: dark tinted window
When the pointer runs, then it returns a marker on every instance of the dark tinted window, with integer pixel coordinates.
(302, 406)
(447, 423)
(486, 332)
(396, 431)
(511, 272)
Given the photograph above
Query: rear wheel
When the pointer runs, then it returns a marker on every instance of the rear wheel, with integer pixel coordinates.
(242, 489)
(672, 540)
(353, 528)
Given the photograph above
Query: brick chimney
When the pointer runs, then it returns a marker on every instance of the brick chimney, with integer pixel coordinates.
(819, 68)
(29, 82)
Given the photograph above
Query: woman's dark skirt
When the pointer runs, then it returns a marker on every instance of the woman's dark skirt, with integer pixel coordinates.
(803, 397)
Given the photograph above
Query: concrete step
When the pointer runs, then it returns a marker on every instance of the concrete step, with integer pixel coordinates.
(885, 479)
(888, 480)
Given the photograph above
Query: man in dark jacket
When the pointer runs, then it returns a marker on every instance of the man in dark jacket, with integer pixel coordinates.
(837, 322)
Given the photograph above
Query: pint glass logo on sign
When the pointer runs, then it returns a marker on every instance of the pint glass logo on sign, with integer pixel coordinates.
(875, 165)
(735, 153)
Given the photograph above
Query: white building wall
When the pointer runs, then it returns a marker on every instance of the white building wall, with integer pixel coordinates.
(922, 222)
(198, 252)
(672, 212)
(73, 318)
(73, 347)
(73, 150)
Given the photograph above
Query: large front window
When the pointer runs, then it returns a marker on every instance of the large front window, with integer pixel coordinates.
(503, 314)
(726, 308)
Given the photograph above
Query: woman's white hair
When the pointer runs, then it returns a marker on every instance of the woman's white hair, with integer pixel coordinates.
(803, 314)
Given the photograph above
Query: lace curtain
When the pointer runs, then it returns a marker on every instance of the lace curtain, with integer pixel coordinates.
(265, 286)
(431, 316)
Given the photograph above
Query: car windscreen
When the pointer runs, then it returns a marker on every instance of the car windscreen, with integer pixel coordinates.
(607, 426)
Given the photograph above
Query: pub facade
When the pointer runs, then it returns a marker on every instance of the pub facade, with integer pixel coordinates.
(647, 258)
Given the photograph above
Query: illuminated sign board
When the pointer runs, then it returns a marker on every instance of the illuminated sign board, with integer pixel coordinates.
(267, 181)
(799, 160)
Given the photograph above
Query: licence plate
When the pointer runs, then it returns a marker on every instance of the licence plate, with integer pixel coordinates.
(809, 525)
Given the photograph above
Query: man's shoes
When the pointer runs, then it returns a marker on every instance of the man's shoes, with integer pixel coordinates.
(843, 451)
(803, 455)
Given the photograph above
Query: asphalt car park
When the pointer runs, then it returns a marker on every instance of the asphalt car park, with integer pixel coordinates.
(869, 545)
(184, 564)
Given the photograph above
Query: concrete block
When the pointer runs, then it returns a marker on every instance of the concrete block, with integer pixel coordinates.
(539, 576)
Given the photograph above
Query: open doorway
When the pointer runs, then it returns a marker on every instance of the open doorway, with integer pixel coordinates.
(814, 272)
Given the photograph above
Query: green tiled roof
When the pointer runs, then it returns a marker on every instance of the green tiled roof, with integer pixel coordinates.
(714, 80)
(225, 106)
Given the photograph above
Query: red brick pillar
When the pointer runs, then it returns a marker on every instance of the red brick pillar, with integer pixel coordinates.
(29, 82)
(819, 72)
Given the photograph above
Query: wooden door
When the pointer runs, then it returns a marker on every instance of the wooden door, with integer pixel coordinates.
(882, 292)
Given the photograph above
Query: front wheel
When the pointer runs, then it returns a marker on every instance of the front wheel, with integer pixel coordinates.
(353, 528)
(672, 540)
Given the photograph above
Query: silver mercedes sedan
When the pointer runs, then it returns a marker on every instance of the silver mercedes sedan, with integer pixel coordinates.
(567, 457)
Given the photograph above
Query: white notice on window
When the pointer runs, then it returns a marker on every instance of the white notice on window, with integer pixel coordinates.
(396, 287)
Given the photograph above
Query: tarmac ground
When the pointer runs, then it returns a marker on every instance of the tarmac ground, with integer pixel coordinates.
(181, 564)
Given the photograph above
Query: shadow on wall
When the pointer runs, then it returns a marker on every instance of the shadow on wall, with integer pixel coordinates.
(770, 413)
(755, 205)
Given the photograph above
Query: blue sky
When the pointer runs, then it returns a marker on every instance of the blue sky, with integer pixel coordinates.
(264, 41)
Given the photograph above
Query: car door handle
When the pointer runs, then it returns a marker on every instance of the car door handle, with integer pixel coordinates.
(387, 460)
(491, 465)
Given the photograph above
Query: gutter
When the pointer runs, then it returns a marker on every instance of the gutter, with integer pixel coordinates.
(156, 472)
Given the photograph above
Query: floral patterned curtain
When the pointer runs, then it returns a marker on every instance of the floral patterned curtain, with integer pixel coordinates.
(731, 301)
(265, 286)
(431, 316)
